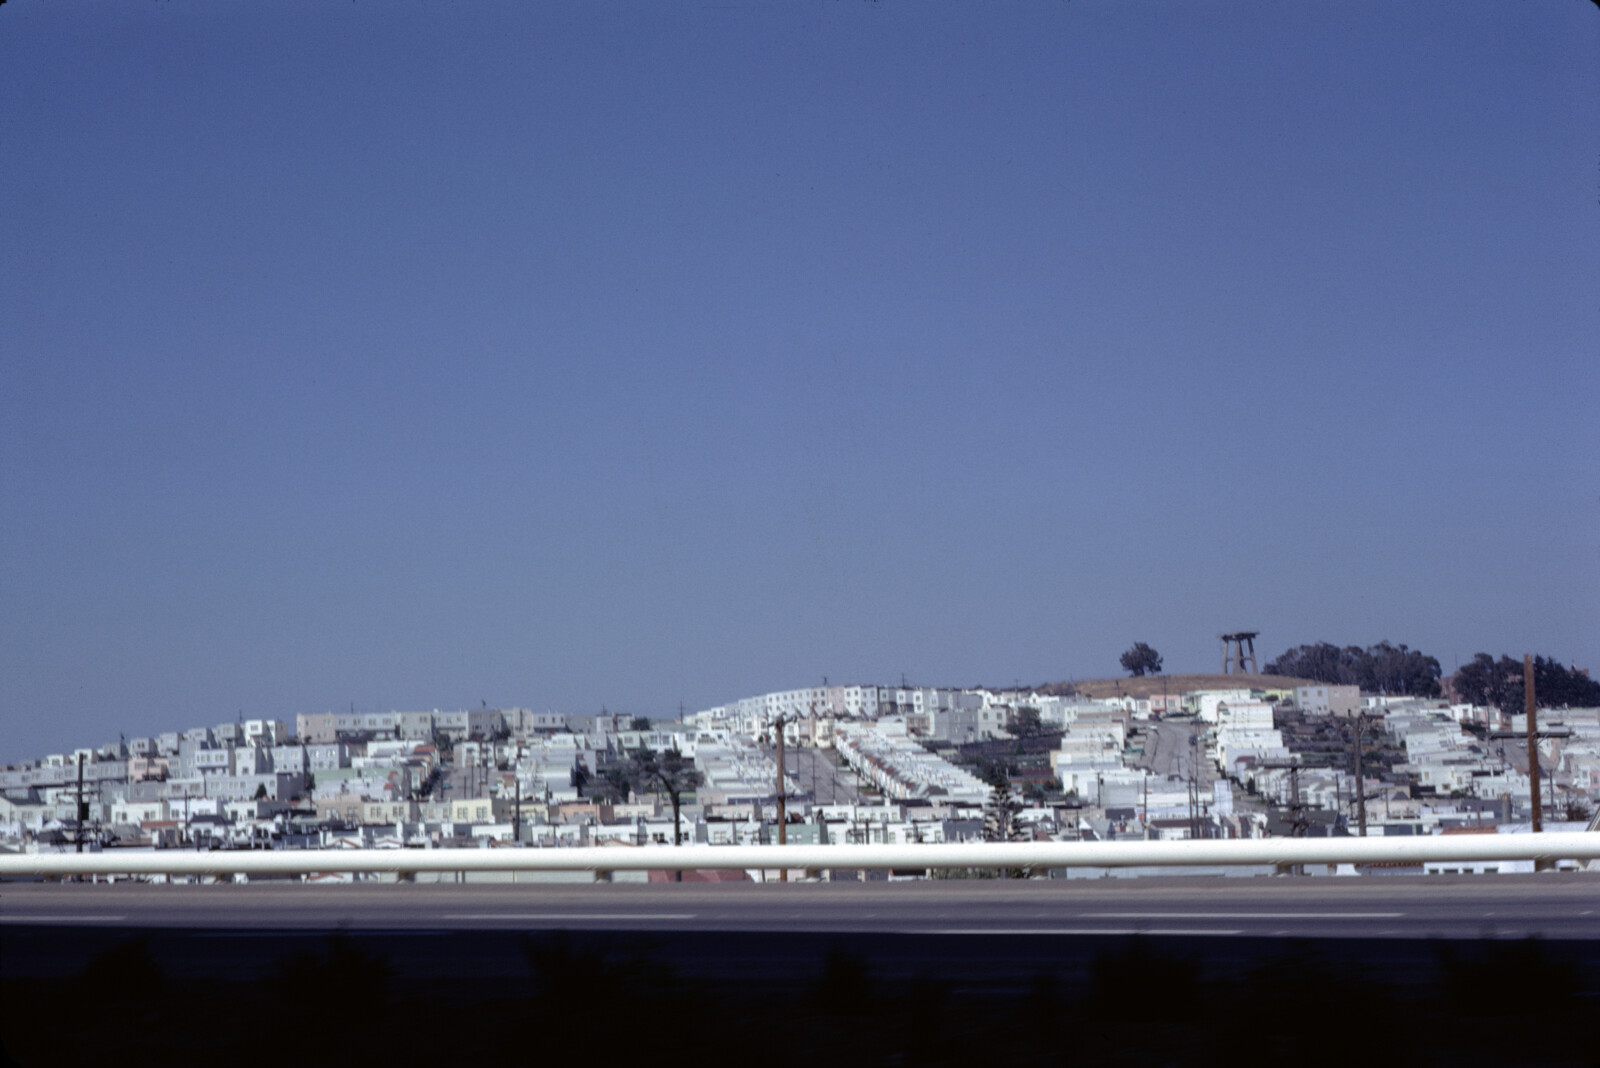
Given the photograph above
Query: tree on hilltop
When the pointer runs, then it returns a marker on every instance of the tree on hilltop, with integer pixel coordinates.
(1141, 660)
(1381, 668)
(1498, 683)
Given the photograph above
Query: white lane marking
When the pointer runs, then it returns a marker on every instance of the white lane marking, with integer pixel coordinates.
(1075, 931)
(1242, 915)
(568, 916)
(81, 918)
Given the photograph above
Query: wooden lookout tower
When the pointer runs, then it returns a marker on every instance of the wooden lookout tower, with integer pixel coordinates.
(1239, 652)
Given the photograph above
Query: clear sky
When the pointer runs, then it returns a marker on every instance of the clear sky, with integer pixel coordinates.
(413, 355)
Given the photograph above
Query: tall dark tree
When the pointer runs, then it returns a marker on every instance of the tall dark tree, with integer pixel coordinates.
(1321, 662)
(1381, 668)
(614, 782)
(1485, 681)
(1025, 722)
(1141, 660)
(669, 773)
(1001, 822)
(1557, 687)
(1398, 669)
(1498, 683)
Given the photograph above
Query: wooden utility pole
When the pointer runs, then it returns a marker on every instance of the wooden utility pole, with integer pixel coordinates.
(81, 812)
(1361, 782)
(516, 776)
(1194, 787)
(1530, 705)
(783, 815)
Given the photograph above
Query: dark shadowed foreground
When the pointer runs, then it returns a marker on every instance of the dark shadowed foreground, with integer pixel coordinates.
(114, 995)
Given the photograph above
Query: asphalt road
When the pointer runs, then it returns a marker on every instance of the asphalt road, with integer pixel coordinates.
(1168, 751)
(813, 773)
(1552, 906)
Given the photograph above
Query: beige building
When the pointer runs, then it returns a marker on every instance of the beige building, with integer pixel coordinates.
(1324, 700)
(390, 812)
(346, 807)
(480, 810)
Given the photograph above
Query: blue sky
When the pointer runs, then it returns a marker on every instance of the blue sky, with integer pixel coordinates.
(416, 355)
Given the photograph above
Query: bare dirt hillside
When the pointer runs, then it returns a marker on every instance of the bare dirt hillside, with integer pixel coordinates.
(1146, 685)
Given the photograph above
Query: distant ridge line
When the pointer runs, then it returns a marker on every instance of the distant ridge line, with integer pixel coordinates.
(1145, 685)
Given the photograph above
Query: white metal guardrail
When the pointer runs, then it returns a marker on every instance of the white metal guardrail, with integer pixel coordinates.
(1566, 845)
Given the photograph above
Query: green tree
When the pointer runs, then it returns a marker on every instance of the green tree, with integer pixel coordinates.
(1141, 660)
(1380, 668)
(1498, 683)
(1320, 662)
(1025, 722)
(1397, 669)
(669, 773)
(1557, 687)
(1484, 681)
(1000, 823)
(1000, 816)
(614, 782)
